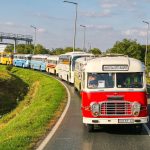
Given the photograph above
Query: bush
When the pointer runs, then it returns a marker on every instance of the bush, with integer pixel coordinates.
(9, 67)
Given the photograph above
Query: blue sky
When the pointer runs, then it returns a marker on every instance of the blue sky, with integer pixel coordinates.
(106, 21)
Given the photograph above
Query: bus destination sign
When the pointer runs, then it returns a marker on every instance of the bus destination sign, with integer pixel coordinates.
(115, 68)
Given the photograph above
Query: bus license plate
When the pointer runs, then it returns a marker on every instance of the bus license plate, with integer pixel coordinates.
(125, 120)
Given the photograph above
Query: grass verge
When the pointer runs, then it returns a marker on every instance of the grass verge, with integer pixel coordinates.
(37, 113)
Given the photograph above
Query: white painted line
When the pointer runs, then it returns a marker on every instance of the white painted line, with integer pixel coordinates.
(147, 129)
(52, 132)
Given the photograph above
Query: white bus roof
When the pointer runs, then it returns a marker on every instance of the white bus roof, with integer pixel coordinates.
(40, 56)
(114, 64)
(53, 57)
(84, 60)
(24, 55)
(76, 54)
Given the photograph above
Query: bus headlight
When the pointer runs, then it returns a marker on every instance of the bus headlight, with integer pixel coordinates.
(95, 108)
(136, 108)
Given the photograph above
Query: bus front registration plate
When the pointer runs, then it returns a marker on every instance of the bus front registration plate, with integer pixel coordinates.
(125, 121)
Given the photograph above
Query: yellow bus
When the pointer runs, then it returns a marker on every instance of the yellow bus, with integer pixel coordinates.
(6, 58)
(79, 67)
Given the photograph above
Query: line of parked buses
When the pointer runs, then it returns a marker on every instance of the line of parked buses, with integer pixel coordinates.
(112, 87)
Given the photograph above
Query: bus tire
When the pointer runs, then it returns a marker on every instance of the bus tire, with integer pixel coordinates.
(75, 88)
(90, 127)
(80, 87)
(67, 79)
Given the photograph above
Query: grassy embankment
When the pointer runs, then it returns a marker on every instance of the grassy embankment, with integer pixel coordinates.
(35, 114)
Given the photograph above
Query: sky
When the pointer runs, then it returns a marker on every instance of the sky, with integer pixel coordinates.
(106, 21)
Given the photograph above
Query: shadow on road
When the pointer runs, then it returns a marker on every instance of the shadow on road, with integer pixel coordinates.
(119, 129)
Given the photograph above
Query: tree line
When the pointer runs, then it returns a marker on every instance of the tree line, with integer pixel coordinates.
(39, 49)
(127, 47)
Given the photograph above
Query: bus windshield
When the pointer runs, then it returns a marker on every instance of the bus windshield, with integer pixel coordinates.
(129, 80)
(101, 80)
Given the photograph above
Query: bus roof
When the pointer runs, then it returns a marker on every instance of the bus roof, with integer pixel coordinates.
(41, 56)
(83, 60)
(24, 55)
(53, 57)
(114, 64)
(76, 54)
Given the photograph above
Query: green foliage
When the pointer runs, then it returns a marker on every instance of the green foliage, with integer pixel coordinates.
(59, 51)
(95, 51)
(39, 49)
(9, 67)
(21, 128)
(12, 89)
(9, 49)
(128, 47)
(27, 49)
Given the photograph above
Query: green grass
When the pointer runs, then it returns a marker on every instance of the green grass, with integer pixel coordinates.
(23, 127)
(12, 89)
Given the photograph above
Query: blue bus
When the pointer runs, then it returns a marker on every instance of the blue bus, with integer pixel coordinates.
(39, 62)
(22, 60)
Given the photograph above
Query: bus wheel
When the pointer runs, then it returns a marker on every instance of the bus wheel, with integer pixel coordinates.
(22, 65)
(67, 78)
(80, 87)
(55, 72)
(90, 127)
(75, 88)
(40, 68)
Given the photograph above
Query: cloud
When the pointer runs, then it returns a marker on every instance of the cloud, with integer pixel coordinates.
(108, 5)
(100, 27)
(41, 30)
(9, 23)
(46, 16)
(105, 13)
(140, 32)
(129, 5)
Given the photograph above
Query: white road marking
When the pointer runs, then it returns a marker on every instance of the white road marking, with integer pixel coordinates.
(52, 132)
(147, 129)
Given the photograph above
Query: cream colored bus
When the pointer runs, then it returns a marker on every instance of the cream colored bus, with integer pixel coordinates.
(66, 65)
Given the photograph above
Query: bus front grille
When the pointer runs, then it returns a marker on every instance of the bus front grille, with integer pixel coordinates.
(116, 108)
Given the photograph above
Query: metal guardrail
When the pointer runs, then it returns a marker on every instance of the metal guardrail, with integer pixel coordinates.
(28, 38)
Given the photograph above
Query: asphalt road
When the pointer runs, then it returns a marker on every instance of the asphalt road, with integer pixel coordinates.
(73, 135)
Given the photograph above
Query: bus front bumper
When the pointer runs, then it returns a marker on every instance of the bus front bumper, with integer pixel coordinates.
(129, 120)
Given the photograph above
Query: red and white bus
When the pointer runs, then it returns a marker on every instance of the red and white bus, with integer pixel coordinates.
(52, 62)
(114, 92)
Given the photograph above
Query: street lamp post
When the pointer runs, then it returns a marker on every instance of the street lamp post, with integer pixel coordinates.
(146, 42)
(75, 24)
(84, 27)
(34, 36)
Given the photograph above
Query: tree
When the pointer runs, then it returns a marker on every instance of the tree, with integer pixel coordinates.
(128, 47)
(27, 49)
(9, 48)
(95, 51)
(57, 51)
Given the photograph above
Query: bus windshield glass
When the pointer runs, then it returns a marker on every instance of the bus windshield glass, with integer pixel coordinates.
(129, 80)
(101, 80)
